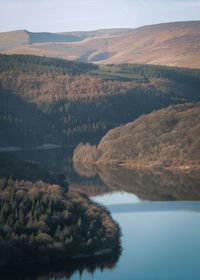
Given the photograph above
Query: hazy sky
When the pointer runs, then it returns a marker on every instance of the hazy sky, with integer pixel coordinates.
(69, 15)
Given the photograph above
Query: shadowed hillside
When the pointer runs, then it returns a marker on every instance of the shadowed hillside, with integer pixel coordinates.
(21, 38)
(167, 138)
(49, 100)
(173, 44)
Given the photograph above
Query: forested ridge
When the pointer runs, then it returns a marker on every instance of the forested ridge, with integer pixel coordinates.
(49, 100)
(41, 222)
(167, 138)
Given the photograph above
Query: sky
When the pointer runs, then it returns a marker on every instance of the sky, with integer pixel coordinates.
(74, 15)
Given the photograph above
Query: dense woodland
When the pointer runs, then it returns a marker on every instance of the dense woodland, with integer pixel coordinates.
(43, 223)
(166, 138)
(48, 100)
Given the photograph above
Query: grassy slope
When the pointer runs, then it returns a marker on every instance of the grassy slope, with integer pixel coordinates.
(24, 38)
(13, 39)
(173, 44)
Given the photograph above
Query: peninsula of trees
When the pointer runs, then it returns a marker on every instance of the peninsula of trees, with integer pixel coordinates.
(44, 223)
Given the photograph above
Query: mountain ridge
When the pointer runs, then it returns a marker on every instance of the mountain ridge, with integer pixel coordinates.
(9, 40)
(172, 44)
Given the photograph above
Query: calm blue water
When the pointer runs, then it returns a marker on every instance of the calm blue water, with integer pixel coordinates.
(157, 244)
(160, 240)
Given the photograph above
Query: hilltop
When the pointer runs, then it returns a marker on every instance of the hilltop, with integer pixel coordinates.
(20, 38)
(168, 138)
(172, 44)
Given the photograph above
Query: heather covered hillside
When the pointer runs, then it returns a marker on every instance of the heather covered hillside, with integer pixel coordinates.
(49, 100)
(167, 138)
(172, 44)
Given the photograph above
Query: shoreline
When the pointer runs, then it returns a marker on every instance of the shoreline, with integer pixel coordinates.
(46, 146)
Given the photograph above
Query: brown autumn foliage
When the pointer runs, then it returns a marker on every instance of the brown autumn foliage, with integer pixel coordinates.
(37, 87)
(167, 138)
(47, 86)
(41, 223)
(45, 100)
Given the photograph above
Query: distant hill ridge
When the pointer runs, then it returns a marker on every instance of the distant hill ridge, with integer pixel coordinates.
(172, 44)
(19, 38)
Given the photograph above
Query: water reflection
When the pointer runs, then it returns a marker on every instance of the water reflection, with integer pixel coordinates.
(160, 240)
(116, 198)
(58, 160)
(64, 270)
(153, 185)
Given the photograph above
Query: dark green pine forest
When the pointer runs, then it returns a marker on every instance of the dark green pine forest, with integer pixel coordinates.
(42, 222)
(49, 100)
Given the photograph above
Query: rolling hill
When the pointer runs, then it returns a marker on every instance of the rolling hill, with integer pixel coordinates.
(10, 41)
(172, 44)
(168, 138)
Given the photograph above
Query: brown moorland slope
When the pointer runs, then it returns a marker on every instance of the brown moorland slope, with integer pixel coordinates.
(168, 138)
(172, 44)
(20, 38)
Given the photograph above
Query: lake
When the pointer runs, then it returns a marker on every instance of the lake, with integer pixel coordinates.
(158, 213)
(157, 244)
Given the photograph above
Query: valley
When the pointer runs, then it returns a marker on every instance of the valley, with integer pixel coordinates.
(48, 100)
(113, 115)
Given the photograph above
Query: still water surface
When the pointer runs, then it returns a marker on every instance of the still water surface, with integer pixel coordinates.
(156, 244)
(160, 237)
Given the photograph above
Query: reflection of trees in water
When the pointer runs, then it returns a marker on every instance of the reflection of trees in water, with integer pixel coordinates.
(86, 169)
(89, 183)
(64, 270)
(154, 185)
(91, 188)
